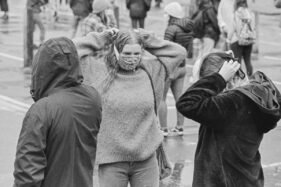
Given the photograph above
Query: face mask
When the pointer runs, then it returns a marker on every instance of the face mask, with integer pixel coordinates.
(129, 63)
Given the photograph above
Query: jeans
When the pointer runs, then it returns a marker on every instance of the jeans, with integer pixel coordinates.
(243, 51)
(138, 174)
(208, 45)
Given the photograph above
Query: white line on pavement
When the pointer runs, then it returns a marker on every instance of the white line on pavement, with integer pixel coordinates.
(272, 58)
(11, 57)
(271, 165)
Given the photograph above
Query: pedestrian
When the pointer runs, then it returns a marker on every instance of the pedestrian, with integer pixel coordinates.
(57, 143)
(138, 10)
(158, 3)
(4, 8)
(179, 30)
(97, 20)
(242, 34)
(80, 9)
(35, 6)
(225, 19)
(131, 90)
(209, 31)
(234, 113)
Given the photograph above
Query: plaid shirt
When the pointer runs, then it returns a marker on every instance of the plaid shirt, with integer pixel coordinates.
(91, 23)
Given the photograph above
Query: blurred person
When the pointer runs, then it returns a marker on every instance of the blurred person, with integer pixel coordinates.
(57, 142)
(225, 19)
(234, 113)
(80, 9)
(4, 8)
(179, 30)
(35, 6)
(158, 3)
(97, 20)
(210, 32)
(138, 11)
(131, 90)
(242, 34)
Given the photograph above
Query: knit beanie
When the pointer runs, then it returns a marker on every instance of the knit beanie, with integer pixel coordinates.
(174, 9)
(100, 5)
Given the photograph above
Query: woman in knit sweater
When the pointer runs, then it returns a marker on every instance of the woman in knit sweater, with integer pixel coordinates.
(131, 89)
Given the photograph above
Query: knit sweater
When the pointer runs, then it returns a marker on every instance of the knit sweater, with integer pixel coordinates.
(129, 130)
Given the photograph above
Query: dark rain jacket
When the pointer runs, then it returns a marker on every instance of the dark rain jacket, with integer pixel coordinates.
(180, 31)
(138, 8)
(57, 143)
(231, 130)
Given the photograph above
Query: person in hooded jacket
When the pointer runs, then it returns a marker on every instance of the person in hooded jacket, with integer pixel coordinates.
(57, 142)
(131, 86)
(234, 113)
(138, 10)
(179, 30)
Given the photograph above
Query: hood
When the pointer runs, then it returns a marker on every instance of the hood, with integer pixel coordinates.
(185, 24)
(243, 13)
(100, 5)
(267, 98)
(55, 66)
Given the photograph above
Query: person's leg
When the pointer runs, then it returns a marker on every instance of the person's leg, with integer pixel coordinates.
(4, 8)
(134, 23)
(177, 87)
(247, 51)
(145, 173)
(114, 174)
(74, 26)
(163, 111)
(237, 51)
(141, 22)
(38, 21)
(208, 45)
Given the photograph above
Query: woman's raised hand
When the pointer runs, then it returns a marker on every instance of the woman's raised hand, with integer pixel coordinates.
(113, 32)
(228, 69)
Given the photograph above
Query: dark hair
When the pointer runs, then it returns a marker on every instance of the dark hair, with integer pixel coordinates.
(240, 3)
(213, 62)
(123, 38)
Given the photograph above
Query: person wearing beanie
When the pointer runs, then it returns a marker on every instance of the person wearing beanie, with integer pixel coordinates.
(138, 10)
(131, 89)
(179, 30)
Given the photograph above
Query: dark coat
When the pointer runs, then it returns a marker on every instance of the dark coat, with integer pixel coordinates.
(138, 8)
(57, 143)
(211, 28)
(180, 31)
(231, 130)
(81, 8)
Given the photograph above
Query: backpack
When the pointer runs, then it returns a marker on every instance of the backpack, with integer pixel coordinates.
(245, 30)
(198, 23)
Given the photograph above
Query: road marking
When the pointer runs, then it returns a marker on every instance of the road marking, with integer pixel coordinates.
(271, 165)
(272, 58)
(11, 57)
(271, 43)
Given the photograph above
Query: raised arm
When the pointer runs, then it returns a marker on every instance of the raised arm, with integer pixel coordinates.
(92, 42)
(31, 160)
(170, 54)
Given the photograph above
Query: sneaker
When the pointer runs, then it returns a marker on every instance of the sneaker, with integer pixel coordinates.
(165, 132)
(177, 130)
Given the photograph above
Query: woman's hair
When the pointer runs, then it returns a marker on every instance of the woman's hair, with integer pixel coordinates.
(240, 3)
(111, 61)
(213, 62)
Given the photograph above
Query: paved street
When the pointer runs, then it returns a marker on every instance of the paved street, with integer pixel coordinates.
(15, 99)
